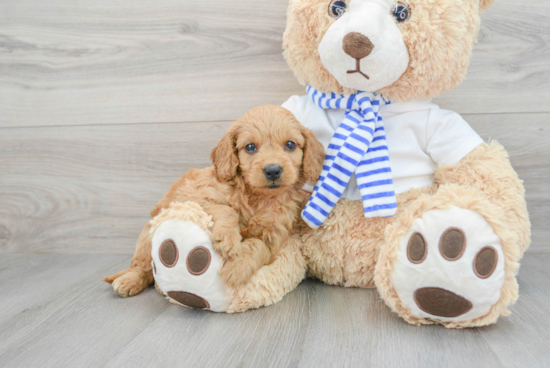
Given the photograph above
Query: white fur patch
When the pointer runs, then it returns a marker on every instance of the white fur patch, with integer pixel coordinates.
(187, 236)
(388, 60)
(455, 276)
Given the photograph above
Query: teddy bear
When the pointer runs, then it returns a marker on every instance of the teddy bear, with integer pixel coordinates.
(411, 201)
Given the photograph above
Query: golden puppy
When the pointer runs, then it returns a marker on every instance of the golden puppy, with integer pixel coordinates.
(253, 193)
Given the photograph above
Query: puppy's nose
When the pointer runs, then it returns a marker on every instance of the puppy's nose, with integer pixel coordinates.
(357, 45)
(273, 172)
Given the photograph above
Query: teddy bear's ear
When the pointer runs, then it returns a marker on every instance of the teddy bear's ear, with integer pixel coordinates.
(485, 4)
(224, 157)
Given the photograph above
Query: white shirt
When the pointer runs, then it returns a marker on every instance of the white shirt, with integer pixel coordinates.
(420, 137)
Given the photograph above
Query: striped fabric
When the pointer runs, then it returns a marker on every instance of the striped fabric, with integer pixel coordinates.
(358, 146)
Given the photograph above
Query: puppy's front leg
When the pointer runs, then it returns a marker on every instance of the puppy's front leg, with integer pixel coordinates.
(242, 259)
(239, 269)
(272, 228)
(226, 236)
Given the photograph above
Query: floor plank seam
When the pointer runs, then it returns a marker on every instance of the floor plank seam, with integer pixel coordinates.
(231, 120)
(118, 124)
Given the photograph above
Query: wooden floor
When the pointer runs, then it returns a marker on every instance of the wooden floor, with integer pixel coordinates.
(56, 313)
(103, 104)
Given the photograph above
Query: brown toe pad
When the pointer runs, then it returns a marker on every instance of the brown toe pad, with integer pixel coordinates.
(416, 249)
(198, 261)
(485, 262)
(440, 302)
(188, 299)
(452, 244)
(168, 253)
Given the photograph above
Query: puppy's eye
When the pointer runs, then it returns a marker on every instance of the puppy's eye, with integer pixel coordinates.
(401, 12)
(250, 148)
(290, 146)
(337, 8)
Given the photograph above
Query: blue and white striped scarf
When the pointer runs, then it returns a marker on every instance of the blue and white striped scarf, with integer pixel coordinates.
(358, 146)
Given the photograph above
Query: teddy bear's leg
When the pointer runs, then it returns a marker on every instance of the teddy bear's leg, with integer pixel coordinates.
(344, 250)
(451, 258)
(187, 268)
(488, 169)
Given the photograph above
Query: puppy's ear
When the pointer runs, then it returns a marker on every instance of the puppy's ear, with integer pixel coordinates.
(314, 156)
(224, 157)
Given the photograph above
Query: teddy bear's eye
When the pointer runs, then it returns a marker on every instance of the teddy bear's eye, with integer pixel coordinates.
(337, 8)
(250, 148)
(401, 12)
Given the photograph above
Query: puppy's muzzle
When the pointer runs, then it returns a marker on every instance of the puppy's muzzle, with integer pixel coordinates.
(273, 172)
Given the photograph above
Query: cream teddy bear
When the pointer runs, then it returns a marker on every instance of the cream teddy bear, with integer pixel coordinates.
(411, 200)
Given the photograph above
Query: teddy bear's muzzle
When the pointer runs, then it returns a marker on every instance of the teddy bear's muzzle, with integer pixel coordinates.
(357, 46)
(364, 48)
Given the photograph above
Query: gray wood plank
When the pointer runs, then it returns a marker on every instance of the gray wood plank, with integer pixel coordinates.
(511, 58)
(523, 339)
(79, 323)
(29, 278)
(268, 337)
(140, 61)
(89, 189)
(84, 325)
(526, 138)
(68, 62)
(314, 326)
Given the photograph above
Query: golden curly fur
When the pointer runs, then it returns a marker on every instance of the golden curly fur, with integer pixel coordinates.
(253, 215)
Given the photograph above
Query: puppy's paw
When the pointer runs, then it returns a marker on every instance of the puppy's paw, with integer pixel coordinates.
(129, 282)
(254, 229)
(237, 272)
(226, 244)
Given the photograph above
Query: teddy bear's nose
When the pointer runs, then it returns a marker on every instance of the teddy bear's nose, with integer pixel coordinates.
(357, 45)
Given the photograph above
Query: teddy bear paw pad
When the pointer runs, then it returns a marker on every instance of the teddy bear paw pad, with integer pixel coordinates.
(186, 268)
(450, 266)
(188, 299)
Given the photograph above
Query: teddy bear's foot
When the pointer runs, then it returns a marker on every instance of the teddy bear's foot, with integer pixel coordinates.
(449, 267)
(185, 266)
